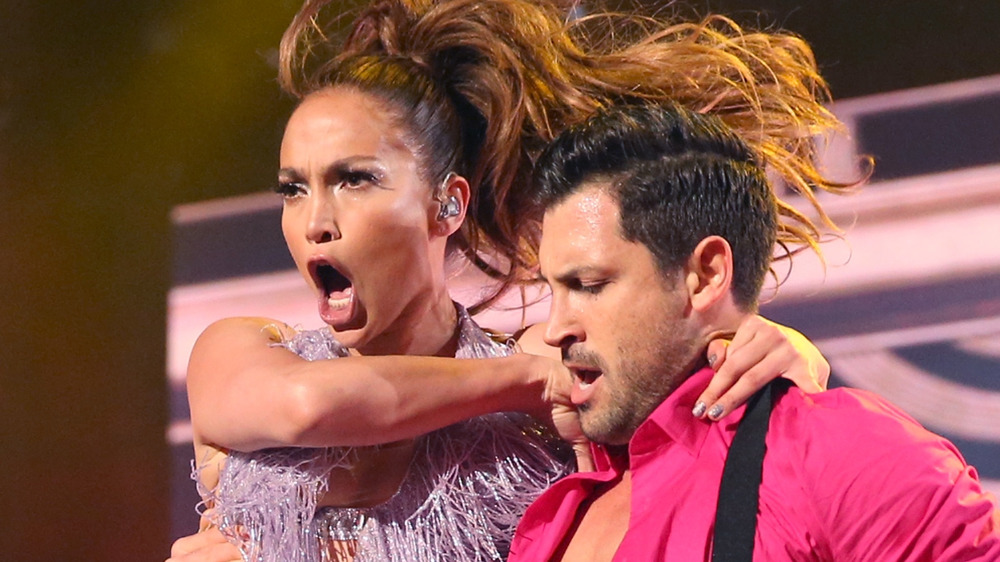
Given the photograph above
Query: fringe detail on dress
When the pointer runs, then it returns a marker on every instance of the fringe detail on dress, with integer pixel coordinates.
(266, 501)
(463, 498)
(466, 489)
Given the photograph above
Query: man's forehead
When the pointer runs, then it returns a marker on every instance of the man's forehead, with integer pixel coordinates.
(580, 225)
(590, 202)
(589, 207)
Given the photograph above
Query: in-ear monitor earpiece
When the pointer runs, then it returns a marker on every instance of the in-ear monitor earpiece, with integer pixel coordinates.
(450, 207)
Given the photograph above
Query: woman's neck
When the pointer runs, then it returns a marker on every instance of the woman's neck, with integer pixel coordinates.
(426, 327)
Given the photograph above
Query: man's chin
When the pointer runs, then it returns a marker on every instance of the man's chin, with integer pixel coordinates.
(606, 434)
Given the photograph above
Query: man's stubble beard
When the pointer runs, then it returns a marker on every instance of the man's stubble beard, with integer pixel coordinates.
(639, 388)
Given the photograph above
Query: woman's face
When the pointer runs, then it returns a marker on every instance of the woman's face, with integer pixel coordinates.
(358, 217)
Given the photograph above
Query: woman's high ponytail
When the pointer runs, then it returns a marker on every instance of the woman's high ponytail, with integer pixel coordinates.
(484, 85)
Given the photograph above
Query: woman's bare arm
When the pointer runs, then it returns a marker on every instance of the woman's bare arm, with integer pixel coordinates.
(246, 393)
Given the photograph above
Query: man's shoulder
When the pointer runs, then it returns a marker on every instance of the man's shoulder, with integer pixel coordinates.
(866, 469)
(843, 407)
(854, 425)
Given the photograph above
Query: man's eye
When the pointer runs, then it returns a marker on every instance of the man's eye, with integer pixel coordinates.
(589, 287)
(290, 189)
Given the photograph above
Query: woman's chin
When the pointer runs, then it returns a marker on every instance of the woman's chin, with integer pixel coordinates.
(351, 338)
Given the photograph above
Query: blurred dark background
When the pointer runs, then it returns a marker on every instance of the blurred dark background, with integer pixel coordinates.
(112, 112)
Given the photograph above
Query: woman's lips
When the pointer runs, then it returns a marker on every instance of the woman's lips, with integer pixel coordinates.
(337, 308)
(338, 301)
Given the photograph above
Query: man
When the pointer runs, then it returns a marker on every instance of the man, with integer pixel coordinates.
(658, 232)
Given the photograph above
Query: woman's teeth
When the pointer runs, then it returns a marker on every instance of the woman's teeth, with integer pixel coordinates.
(340, 299)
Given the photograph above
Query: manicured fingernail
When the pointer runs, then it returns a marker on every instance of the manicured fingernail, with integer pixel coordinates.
(699, 409)
(715, 412)
(711, 360)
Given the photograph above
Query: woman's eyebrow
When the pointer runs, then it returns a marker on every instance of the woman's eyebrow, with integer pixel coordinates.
(335, 166)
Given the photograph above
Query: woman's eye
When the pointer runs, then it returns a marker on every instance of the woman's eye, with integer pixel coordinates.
(290, 189)
(357, 179)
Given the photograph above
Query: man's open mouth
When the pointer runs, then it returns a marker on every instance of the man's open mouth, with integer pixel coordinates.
(586, 376)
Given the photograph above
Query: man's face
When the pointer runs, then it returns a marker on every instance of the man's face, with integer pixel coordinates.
(623, 328)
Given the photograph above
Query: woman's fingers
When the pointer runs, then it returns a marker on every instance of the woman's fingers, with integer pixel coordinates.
(717, 357)
(750, 380)
(759, 352)
(743, 373)
(732, 360)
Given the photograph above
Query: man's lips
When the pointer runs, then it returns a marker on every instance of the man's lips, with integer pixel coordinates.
(585, 382)
(585, 375)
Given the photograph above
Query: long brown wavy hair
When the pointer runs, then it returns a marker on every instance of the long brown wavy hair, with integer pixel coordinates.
(483, 85)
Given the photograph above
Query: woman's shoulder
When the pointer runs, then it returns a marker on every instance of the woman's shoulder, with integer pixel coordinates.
(240, 326)
(226, 340)
(313, 344)
(532, 340)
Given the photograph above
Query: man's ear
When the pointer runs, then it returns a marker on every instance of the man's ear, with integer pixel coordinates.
(709, 272)
(451, 202)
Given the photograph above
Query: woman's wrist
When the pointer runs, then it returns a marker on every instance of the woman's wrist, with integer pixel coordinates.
(516, 383)
(527, 382)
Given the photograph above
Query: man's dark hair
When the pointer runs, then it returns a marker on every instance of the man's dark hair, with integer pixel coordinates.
(678, 177)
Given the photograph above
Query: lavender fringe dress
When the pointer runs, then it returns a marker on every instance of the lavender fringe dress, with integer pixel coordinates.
(467, 485)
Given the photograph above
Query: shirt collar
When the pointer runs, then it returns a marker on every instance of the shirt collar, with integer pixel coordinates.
(673, 417)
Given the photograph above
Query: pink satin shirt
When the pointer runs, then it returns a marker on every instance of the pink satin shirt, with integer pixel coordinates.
(847, 477)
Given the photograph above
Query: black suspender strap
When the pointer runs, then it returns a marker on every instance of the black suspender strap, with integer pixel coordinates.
(739, 493)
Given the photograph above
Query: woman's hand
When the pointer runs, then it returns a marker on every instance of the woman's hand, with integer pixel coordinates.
(564, 417)
(759, 352)
(555, 408)
(542, 365)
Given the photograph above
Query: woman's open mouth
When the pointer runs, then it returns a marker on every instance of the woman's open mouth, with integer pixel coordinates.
(336, 287)
(337, 300)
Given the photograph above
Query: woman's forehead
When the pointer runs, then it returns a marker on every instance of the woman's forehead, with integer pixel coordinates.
(343, 120)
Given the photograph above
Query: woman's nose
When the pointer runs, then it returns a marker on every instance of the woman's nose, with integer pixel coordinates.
(322, 225)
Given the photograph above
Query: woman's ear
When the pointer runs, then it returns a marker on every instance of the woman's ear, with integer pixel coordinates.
(452, 198)
(709, 272)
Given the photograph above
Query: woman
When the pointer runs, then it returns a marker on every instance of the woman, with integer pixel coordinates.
(389, 157)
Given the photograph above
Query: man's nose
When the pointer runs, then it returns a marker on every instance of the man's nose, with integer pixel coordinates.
(562, 329)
